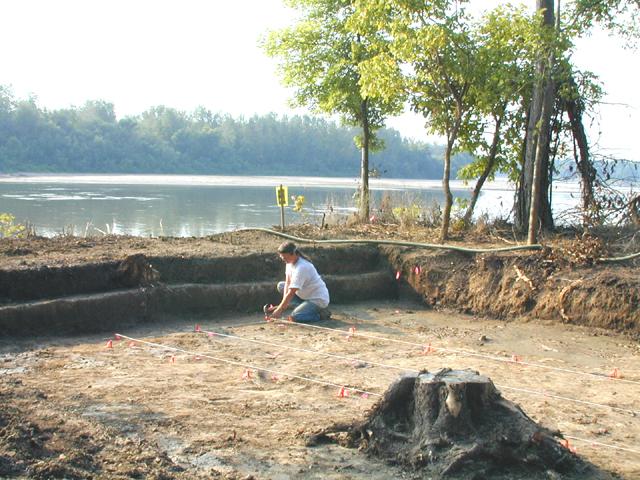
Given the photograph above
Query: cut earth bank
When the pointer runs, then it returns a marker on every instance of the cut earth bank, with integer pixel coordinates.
(563, 283)
(75, 409)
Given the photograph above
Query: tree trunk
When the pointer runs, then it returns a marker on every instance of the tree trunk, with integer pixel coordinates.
(448, 197)
(521, 196)
(534, 128)
(491, 161)
(541, 164)
(585, 167)
(521, 219)
(364, 164)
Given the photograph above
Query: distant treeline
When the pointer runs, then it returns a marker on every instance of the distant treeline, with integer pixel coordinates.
(90, 139)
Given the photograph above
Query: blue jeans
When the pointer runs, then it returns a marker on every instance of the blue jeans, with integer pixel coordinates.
(304, 311)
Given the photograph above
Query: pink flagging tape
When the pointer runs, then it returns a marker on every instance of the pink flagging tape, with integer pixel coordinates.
(248, 366)
(615, 374)
(565, 443)
(428, 348)
(467, 353)
(352, 332)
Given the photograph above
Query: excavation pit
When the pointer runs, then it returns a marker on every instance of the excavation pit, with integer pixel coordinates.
(73, 405)
(75, 408)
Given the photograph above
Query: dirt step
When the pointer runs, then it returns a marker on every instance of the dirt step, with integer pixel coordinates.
(329, 260)
(29, 284)
(50, 282)
(81, 314)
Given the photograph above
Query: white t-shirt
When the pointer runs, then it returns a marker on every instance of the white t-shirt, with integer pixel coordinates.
(304, 276)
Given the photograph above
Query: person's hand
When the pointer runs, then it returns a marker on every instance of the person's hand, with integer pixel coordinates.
(276, 312)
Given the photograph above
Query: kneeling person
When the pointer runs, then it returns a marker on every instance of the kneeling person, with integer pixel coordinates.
(302, 289)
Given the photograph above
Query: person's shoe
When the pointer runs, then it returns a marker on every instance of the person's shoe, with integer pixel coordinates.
(325, 314)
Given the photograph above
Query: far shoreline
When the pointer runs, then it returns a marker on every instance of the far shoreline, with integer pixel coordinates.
(500, 184)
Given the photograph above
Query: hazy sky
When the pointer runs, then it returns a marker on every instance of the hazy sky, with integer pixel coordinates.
(141, 53)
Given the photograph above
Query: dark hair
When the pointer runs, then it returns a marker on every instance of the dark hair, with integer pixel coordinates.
(287, 247)
(291, 248)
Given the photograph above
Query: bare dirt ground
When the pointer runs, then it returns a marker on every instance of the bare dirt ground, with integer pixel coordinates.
(569, 247)
(66, 251)
(72, 408)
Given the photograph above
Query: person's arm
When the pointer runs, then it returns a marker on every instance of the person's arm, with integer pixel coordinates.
(288, 295)
(287, 282)
(276, 310)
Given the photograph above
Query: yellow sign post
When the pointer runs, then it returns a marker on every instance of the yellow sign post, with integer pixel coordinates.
(282, 200)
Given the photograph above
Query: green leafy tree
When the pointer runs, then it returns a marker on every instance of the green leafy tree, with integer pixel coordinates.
(8, 228)
(320, 58)
(97, 111)
(426, 55)
(578, 94)
(620, 17)
(558, 84)
(506, 40)
(533, 209)
(581, 92)
(164, 140)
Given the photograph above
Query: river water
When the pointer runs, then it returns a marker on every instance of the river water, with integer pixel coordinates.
(198, 205)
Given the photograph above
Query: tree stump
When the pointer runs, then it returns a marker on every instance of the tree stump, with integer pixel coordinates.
(454, 423)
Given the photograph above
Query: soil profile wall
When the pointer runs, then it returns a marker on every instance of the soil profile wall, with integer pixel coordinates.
(496, 285)
(106, 312)
(50, 282)
(264, 266)
(30, 284)
(516, 285)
